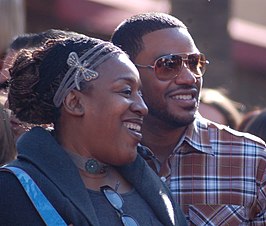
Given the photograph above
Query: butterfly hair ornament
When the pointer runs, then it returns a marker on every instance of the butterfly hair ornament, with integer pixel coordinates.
(73, 61)
(82, 69)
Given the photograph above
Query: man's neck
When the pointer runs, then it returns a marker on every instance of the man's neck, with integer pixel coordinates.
(161, 141)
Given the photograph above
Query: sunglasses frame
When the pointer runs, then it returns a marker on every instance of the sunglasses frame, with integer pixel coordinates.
(104, 189)
(147, 154)
(185, 60)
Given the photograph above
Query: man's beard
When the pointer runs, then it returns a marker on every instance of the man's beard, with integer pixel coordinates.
(172, 121)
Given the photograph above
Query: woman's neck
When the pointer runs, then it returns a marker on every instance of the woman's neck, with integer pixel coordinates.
(96, 174)
(111, 177)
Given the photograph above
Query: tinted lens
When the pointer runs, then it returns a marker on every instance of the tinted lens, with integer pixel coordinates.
(147, 154)
(197, 64)
(128, 221)
(114, 199)
(117, 202)
(168, 67)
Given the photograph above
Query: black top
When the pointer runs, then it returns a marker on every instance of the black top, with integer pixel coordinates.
(133, 205)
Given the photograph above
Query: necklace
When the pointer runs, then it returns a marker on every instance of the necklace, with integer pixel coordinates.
(89, 165)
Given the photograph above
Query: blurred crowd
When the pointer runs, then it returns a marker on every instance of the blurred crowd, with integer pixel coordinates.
(215, 104)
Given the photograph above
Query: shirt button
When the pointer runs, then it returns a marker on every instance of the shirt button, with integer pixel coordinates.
(163, 179)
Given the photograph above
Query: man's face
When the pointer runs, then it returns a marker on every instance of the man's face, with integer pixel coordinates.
(173, 102)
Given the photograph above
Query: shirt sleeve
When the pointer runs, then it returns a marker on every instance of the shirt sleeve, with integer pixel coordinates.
(260, 219)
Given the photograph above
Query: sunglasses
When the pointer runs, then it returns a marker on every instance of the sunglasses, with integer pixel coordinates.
(116, 202)
(147, 154)
(169, 66)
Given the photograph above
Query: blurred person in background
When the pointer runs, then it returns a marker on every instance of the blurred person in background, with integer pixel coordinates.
(247, 117)
(217, 107)
(257, 125)
(17, 127)
(7, 145)
(12, 18)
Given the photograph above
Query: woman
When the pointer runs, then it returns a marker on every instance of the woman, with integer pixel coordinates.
(7, 145)
(90, 91)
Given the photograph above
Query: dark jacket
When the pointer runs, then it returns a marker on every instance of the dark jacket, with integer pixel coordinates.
(58, 178)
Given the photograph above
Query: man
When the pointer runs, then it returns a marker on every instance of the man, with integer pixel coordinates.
(216, 174)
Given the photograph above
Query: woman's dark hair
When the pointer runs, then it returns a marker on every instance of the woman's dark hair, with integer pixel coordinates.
(257, 125)
(37, 74)
(128, 35)
(33, 40)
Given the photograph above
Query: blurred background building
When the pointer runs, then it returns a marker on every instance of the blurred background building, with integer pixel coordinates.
(230, 32)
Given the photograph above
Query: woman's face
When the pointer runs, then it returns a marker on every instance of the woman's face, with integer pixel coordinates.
(8, 61)
(114, 111)
(17, 127)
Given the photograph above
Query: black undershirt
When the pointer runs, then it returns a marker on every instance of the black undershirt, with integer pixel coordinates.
(133, 205)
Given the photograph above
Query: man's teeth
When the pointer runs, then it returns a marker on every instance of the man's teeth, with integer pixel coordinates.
(133, 126)
(183, 97)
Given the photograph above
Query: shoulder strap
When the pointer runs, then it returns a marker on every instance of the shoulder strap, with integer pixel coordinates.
(46, 210)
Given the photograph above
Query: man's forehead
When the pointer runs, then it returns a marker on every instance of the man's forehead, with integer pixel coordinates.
(166, 41)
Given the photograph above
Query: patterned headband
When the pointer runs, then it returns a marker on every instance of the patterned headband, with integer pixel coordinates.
(82, 69)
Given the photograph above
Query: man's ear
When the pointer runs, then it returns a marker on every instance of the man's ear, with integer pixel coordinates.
(73, 104)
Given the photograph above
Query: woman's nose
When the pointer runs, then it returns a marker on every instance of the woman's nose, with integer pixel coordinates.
(140, 106)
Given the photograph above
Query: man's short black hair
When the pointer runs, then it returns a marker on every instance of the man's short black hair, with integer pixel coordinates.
(128, 35)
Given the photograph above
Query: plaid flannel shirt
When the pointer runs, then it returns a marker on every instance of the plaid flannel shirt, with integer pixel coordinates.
(218, 176)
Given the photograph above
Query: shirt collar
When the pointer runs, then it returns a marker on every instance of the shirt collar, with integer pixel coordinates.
(198, 135)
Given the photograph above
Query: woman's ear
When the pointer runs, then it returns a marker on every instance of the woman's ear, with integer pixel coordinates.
(73, 104)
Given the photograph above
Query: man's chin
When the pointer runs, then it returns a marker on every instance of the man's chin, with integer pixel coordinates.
(177, 121)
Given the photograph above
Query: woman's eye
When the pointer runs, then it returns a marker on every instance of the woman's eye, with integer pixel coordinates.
(127, 92)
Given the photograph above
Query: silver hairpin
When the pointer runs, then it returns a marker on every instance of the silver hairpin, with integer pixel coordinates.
(82, 68)
(88, 74)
